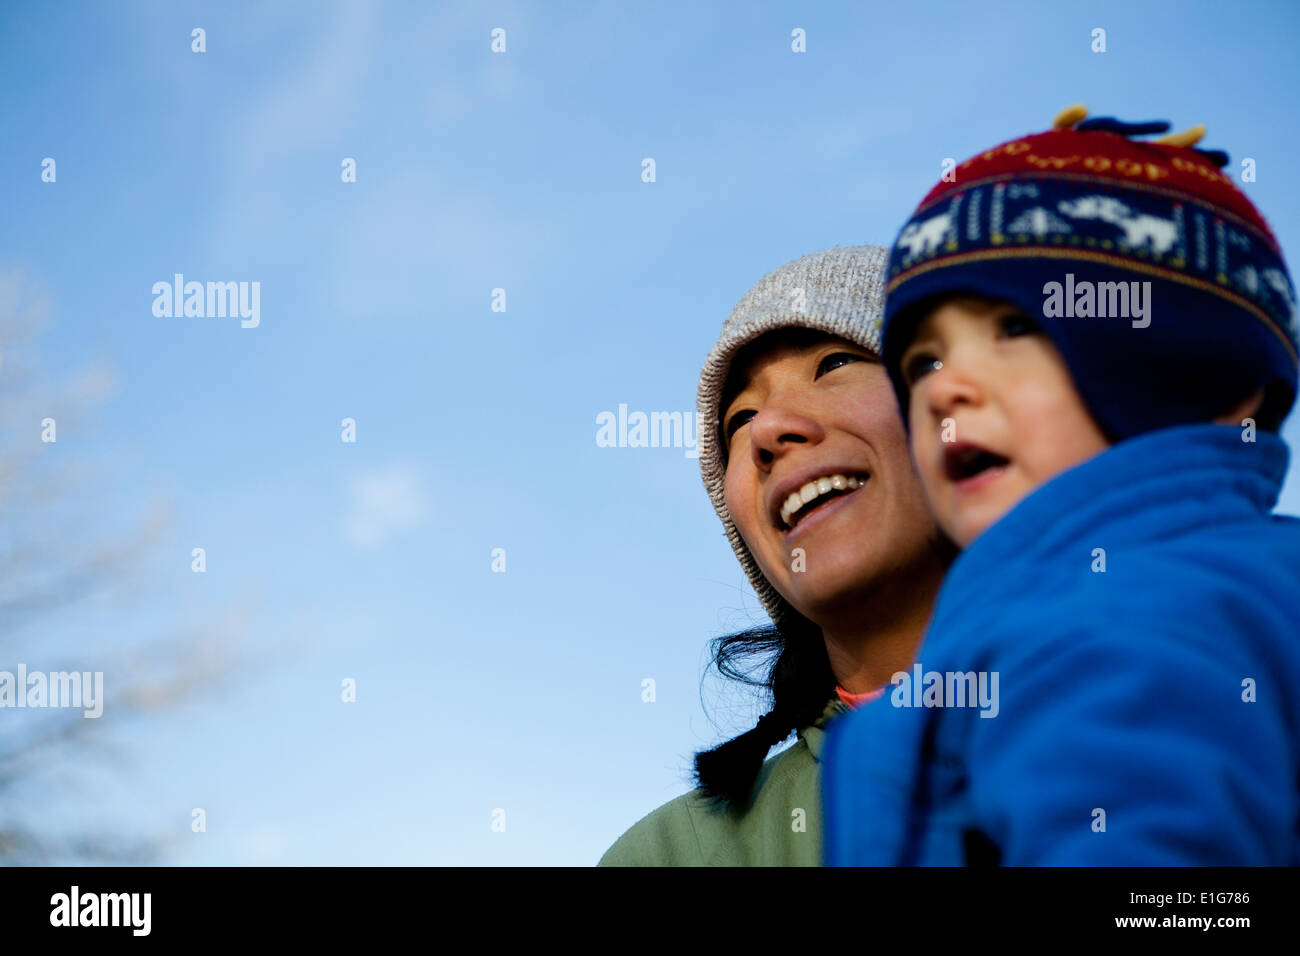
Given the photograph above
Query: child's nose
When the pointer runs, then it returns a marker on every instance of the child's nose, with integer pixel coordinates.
(949, 387)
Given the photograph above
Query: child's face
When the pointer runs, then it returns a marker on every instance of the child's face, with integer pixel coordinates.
(994, 412)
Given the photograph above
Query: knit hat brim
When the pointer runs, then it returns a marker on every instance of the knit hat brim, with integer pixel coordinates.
(1100, 351)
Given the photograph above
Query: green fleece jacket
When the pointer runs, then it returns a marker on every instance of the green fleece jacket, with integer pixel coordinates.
(781, 827)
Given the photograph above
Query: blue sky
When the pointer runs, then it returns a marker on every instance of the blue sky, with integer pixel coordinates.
(476, 429)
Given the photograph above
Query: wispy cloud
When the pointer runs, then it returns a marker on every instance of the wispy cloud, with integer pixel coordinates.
(307, 106)
(384, 503)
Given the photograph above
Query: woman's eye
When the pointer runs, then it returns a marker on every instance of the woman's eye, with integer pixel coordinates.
(835, 360)
(733, 423)
(1013, 325)
(922, 363)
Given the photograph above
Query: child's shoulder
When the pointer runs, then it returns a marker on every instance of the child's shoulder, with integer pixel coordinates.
(1257, 557)
(1230, 590)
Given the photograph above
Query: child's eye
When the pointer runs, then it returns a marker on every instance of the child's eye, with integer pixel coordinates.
(1016, 324)
(833, 361)
(919, 364)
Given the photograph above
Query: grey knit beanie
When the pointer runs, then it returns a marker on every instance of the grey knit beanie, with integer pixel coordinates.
(840, 291)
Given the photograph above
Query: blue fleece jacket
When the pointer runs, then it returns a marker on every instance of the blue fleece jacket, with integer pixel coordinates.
(1147, 714)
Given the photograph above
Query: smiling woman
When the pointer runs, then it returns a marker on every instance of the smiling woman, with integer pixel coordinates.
(806, 462)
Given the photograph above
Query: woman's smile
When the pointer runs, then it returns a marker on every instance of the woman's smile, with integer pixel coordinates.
(823, 507)
(797, 495)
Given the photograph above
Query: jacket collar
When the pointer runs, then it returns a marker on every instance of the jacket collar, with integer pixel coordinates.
(1156, 484)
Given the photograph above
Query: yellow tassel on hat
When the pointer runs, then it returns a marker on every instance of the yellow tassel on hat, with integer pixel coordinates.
(1070, 116)
(1188, 137)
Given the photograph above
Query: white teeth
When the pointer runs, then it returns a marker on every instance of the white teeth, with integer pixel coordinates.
(814, 489)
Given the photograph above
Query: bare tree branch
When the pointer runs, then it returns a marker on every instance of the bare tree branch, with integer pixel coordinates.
(54, 552)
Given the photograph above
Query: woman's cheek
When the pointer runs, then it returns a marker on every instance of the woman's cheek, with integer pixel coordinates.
(919, 453)
(740, 499)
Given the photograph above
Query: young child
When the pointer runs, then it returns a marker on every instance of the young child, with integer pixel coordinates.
(1093, 343)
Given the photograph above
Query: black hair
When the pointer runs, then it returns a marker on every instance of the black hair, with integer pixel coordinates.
(795, 671)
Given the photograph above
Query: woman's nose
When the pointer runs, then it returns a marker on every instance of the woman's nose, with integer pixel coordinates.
(779, 426)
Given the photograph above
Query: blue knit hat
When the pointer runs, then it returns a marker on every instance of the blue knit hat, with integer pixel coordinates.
(1157, 279)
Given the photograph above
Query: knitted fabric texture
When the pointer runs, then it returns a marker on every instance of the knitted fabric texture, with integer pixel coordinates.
(1156, 278)
(839, 291)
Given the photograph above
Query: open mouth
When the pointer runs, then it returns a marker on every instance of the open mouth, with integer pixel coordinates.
(964, 461)
(816, 494)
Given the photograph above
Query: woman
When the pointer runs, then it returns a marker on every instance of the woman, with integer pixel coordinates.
(805, 459)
